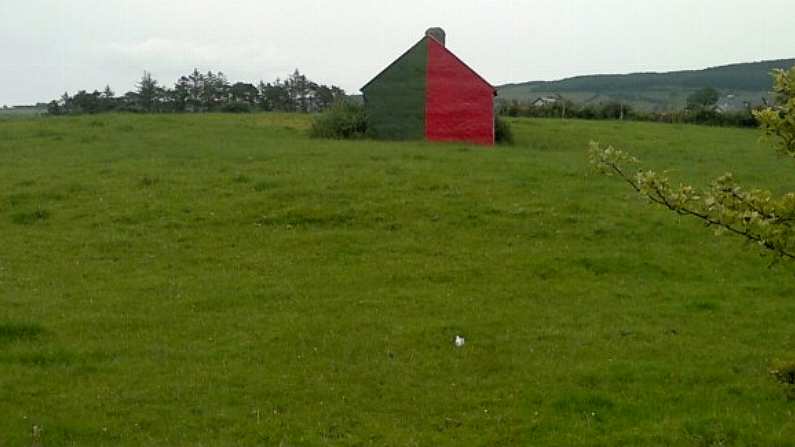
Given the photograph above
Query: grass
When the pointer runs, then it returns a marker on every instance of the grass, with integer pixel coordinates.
(216, 280)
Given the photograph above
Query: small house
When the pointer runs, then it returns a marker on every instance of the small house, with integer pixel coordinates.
(545, 101)
(429, 93)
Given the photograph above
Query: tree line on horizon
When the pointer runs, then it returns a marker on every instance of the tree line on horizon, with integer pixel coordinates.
(701, 108)
(204, 92)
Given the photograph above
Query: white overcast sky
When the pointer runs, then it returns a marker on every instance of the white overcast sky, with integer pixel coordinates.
(51, 46)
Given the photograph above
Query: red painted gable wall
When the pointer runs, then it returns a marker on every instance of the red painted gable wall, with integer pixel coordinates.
(459, 105)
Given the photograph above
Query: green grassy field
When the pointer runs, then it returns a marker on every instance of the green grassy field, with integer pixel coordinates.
(224, 280)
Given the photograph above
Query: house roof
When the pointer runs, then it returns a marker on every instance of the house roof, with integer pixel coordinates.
(494, 90)
(546, 99)
(381, 73)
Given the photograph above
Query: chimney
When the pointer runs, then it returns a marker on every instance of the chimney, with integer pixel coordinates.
(438, 34)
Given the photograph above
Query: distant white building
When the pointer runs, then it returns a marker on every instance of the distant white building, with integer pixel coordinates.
(731, 103)
(546, 101)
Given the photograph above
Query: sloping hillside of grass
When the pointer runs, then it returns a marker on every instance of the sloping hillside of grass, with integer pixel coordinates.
(656, 91)
(216, 280)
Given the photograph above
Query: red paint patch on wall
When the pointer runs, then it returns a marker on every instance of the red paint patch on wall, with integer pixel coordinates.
(459, 104)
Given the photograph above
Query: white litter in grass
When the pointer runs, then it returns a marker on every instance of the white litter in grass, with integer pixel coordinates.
(459, 341)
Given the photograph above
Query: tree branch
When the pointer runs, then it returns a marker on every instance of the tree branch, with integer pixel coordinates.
(660, 198)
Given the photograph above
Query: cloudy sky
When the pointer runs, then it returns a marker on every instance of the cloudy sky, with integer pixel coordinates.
(51, 46)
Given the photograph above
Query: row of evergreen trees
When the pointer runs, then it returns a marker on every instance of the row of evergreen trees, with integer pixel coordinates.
(205, 92)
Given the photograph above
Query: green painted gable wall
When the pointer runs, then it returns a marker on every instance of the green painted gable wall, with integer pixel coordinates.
(395, 99)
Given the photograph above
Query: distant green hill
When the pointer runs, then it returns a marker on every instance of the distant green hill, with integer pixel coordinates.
(738, 84)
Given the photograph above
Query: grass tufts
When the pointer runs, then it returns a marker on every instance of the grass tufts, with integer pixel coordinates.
(307, 218)
(241, 178)
(784, 373)
(148, 181)
(31, 217)
(264, 185)
(42, 359)
(12, 332)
